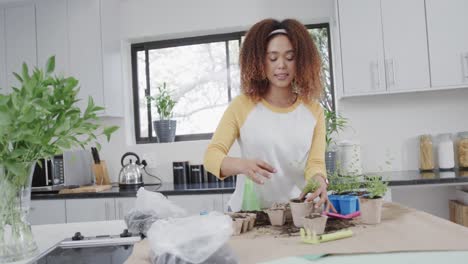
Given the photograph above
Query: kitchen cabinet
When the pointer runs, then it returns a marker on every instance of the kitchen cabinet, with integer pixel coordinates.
(123, 206)
(448, 42)
(85, 210)
(44, 212)
(20, 37)
(3, 83)
(52, 34)
(85, 49)
(383, 46)
(194, 204)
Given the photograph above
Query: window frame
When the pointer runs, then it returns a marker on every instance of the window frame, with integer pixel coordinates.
(225, 37)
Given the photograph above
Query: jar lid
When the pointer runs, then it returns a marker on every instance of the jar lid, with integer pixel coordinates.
(463, 134)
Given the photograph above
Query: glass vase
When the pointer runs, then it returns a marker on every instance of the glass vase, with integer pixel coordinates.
(16, 239)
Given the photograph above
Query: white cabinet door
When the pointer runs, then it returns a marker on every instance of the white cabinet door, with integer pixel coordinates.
(3, 82)
(88, 210)
(52, 35)
(361, 46)
(47, 212)
(123, 206)
(20, 35)
(448, 41)
(405, 42)
(84, 29)
(195, 204)
(111, 59)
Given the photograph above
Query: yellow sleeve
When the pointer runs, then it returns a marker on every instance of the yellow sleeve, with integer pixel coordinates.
(226, 133)
(316, 160)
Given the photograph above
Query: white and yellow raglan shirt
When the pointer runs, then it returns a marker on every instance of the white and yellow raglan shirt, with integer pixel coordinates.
(291, 139)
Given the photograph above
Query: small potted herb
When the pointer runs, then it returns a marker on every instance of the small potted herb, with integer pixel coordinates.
(371, 203)
(301, 208)
(344, 189)
(165, 127)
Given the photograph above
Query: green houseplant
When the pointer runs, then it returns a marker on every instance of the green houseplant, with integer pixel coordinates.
(371, 203)
(334, 123)
(37, 120)
(165, 127)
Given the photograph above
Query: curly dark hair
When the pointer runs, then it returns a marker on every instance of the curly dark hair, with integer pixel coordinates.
(254, 82)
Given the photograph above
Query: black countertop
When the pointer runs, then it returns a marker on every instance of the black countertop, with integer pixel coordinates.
(395, 178)
(167, 189)
(408, 178)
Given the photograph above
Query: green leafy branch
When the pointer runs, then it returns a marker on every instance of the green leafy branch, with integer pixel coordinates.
(40, 119)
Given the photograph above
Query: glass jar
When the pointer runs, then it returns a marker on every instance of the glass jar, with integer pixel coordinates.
(426, 153)
(446, 154)
(462, 150)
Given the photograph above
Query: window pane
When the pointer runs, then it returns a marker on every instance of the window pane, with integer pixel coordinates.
(234, 70)
(141, 93)
(320, 36)
(197, 78)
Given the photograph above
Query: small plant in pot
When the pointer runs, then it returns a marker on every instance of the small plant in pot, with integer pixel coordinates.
(371, 203)
(335, 123)
(344, 190)
(301, 208)
(38, 119)
(165, 127)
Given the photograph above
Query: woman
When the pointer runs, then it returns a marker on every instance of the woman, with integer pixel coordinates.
(278, 121)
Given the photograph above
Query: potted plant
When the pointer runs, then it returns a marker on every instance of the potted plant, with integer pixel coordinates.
(371, 203)
(335, 123)
(37, 120)
(165, 127)
(344, 189)
(301, 208)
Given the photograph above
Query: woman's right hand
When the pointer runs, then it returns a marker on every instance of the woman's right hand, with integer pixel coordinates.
(257, 170)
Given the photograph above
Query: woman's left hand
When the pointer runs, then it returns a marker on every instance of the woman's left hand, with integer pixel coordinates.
(322, 192)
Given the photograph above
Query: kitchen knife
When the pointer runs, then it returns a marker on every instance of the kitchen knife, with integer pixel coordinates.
(95, 153)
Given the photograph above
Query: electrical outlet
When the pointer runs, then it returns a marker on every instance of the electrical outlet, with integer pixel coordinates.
(150, 159)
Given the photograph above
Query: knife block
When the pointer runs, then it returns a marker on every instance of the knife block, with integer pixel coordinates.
(100, 171)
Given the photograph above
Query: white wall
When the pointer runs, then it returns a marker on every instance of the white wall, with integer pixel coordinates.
(145, 20)
(392, 123)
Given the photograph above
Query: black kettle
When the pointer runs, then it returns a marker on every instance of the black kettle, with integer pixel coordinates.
(131, 173)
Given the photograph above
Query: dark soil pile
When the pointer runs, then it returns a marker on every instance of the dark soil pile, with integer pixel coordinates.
(262, 217)
(336, 224)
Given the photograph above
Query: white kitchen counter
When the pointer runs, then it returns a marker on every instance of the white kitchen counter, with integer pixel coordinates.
(47, 236)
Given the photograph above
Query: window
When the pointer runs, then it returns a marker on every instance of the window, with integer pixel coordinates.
(202, 75)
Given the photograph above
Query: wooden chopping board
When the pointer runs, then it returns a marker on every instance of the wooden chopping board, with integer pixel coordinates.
(87, 189)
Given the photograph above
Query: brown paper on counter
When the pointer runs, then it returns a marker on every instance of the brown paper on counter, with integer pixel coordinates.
(402, 229)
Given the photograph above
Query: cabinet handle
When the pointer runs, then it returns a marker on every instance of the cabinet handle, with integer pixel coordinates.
(106, 206)
(120, 211)
(466, 65)
(393, 72)
(375, 67)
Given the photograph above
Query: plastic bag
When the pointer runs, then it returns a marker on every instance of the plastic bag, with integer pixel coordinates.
(223, 255)
(191, 239)
(149, 207)
(158, 204)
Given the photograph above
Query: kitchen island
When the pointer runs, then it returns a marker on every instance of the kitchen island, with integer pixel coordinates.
(402, 229)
